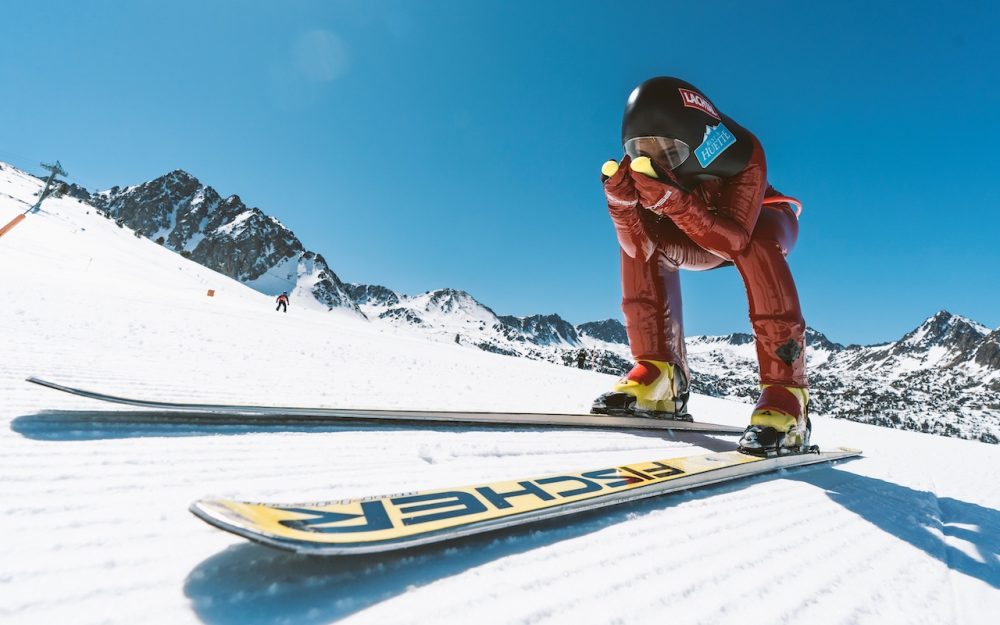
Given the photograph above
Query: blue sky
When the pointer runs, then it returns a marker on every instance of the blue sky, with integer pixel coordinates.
(428, 144)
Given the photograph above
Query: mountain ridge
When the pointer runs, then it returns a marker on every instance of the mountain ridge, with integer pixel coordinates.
(222, 233)
(946, 371)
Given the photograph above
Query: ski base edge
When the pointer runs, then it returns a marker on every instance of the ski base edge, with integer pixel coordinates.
(280, 414)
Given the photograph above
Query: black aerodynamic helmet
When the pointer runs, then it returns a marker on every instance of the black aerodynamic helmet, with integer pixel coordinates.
(671, 121)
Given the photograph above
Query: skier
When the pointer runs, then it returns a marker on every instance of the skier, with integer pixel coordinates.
(691, 192)
(282, 302)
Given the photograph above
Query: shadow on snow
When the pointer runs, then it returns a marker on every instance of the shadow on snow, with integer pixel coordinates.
(929, 523)
(252, 584)
(87, 425)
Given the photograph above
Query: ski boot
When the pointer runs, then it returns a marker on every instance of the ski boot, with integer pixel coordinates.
(653, 389)
(779, 424)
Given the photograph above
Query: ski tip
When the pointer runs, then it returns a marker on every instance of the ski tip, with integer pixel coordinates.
(199, 508)
(214, 511)
(32, 379)
(40, 382)
(222, 514)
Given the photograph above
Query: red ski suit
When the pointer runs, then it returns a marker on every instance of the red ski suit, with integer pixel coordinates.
(721, 221)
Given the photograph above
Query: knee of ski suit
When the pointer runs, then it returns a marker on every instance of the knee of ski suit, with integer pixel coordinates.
(777, 223)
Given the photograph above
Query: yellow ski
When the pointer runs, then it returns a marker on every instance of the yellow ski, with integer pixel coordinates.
(405, 520)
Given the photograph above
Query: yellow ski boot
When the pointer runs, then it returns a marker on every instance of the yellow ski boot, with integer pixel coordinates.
(780, 423)
(653, 388)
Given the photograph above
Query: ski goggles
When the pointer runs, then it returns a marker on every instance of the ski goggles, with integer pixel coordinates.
(663, 150)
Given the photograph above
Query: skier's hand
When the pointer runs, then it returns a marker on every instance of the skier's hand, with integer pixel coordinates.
(623, 206)
(618, 186)
(655, 185)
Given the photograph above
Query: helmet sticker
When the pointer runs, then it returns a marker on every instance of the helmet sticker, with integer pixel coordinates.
(694, 100)
(717, 140)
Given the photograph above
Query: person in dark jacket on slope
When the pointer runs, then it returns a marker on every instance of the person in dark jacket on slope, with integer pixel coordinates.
(282, 302)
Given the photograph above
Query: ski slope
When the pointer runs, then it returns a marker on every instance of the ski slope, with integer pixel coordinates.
(94, 527)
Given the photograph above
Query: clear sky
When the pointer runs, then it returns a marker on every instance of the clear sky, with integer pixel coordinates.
(424, 144)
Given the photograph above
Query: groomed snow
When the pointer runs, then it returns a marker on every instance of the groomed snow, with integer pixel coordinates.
(94, 525)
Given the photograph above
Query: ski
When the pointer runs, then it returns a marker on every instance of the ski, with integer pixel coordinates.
(279, 414)
(394, 522)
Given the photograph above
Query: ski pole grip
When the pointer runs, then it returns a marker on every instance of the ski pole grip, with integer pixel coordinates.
(643, 165)
(609, 169)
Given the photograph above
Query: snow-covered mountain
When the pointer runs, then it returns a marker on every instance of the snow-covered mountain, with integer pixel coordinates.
(453, 315)
(94, 521)
(943, 377)
(224, 234)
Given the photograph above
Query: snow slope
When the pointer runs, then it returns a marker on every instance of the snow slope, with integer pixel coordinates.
(93, 520)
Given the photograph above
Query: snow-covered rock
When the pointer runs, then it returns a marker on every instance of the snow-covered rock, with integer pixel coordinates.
(224, 234)
(609, 331)
(941, 377)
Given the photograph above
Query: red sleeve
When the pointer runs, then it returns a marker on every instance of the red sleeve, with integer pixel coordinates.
(724, 229)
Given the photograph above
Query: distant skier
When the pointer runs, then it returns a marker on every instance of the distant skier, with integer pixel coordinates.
(691, 192)
(581, 359)
(282, 302)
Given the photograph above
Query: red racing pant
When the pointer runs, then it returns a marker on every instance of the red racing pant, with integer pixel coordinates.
(652, 296)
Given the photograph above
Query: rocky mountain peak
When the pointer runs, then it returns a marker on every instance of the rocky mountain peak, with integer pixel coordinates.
(449, 300)
(544, 329)
(944, 326)
(225, 235)
(609, 331)
(988, 353)
(739, 338)
(817, 340)
(373, 294)
(176, 184)
(181, 176)
(956, 334)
